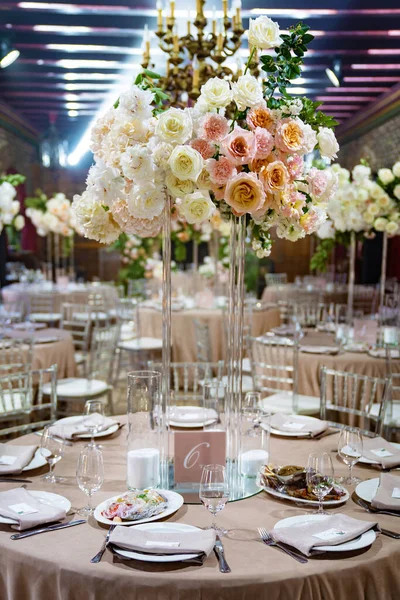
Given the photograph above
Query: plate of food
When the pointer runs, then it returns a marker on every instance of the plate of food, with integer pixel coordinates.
(290, 483)
(138, 506)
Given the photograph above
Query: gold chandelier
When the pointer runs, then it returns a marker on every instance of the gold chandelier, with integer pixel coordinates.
(198, 55)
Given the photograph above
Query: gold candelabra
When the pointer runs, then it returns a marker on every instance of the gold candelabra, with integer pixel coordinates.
(198, 55)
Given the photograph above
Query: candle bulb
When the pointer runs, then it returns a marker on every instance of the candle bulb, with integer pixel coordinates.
(214, 21)
(238, 5)
(172, 8)
(198, 7)
(220, 38)
(225, 8)
(176, 41)
(159, 15)
(239, 66)
(188, 22)
(196, 73)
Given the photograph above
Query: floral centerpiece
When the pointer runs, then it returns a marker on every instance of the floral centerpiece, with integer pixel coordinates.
(51, 215)
(136, 256)
(10, 217)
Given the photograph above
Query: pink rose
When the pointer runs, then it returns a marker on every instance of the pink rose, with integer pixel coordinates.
(260, 116)
(264, 142)
(317, 181)
(205, 148)
(218, 191)
(293, 207)
(220, 170)
(239, 146)
(213, 128)
(245, 194)
(129, 224)
(295, 166)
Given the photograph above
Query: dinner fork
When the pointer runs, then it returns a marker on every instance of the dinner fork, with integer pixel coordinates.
(100, 553)
(373, 510)
(269, 541)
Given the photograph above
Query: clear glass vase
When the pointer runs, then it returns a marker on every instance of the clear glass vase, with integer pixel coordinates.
(144, 432)
(352, 276)
(166, 347)
(382, 288)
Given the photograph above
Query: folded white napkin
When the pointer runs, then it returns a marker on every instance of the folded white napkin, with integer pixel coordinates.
(191, 414)
(191, 542)
(80, 426)
(14, 458)
(387, 496)
(29, 511)
(334, 530)
(319, 349)
(297, 424)
(383, 452)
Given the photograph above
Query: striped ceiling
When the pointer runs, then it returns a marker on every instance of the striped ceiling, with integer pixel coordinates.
(75, 54)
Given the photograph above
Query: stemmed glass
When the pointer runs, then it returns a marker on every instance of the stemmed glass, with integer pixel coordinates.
(350, 449)
(93, 417)
(252, 408)
(214, 491)
(52, 448)
(320, 476)
(89, 475)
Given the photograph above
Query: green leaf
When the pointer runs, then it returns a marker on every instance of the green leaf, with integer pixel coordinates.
(151, 74)
(307, 38)
(116, 103)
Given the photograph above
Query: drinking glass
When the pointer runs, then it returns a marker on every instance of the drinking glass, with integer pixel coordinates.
(350, 449)
(89, 475)
(252, 408)
(319, 476)
(214, 404)
(93, 417)
(52, 448)
(214, 491)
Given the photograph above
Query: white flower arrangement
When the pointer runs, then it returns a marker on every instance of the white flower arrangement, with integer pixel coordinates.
(9, 207)
(54, 215)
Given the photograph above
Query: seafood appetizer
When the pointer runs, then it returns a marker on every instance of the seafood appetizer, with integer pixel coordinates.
(136, 505)
(292, 480)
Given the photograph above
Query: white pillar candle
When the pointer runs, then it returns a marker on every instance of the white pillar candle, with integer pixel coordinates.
(143, 468)
(390, 335)
(252, 461)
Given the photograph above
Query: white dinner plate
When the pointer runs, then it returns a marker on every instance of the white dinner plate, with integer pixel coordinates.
(159, 528)
(381, 353)
(85, 436)
(326, 503)
(362, 541)
(366, 490)
(174, 500)
(47, 498)
(295, 434)
(369, 461)
(46, 339)
(38, 460)
(31, 326)
(191, 417)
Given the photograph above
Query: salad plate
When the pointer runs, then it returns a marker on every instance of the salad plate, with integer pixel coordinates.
(294, 434)
(47, 498)
(85, 436)
(38, 460)
(191, 416)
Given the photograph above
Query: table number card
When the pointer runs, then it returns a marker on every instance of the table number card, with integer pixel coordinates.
(7, 460)
(365, 330)
(195, 449)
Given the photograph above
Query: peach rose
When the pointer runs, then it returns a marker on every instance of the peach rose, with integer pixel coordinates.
(269, 202)
(245, 194)
(260, 117)
(289, 136)
(239, 146)
(274, 177)
(218, 191)
(258, 163)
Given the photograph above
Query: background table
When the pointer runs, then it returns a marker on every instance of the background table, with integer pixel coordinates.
(56, 565)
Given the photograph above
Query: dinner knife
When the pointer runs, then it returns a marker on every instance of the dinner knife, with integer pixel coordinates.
(18, 536)
(14, 479)
(219, 551)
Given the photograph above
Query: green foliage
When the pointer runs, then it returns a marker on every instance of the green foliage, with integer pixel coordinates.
(37, 202)
(15, 179)
(136, 267)
(314, 117)
(319, 260)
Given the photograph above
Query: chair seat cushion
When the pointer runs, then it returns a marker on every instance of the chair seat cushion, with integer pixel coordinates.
(392, 417)
(143, 343)
(76, 387)
(283, 402)
(45, 317)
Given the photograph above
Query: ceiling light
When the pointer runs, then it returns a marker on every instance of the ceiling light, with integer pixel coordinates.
(376, 67)
(62, 28)
(8, 54)
(335, 73)
(71, 97)
(91, 76)
(72, 105)
(73, 113)
(298, 90)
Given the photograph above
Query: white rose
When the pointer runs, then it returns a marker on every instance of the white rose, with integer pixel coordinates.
(137, 164)
(384, 201)
(295, 107)
(186, 163)
(178, 187)
(95, 221)
(264, 33)
(15, 205)
(386, 176)
(392, 228)
(196, 207)
(328, 145)
(326, 231)
(216, 93)
(396, 169)
(247, 92)
(368, 218)
(19, 222)
(174, 126)
(373, 209)
(396, 190)
(361, 173)
(146, 202)
(380, 224)
(161, 154)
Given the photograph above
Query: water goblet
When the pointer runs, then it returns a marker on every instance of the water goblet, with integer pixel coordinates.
(214, 491)
(319, 477)
(93, 417)
(52, 448)
(350, 449)
(89, 475)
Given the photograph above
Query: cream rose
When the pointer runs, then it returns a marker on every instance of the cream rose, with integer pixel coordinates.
(245, 194)
(19, 222)
(396, 191)
(216, 93)
(289, 136)
(196, 207)
(392, 228)
(396, 169)
(186, 163)
(178, 187)
(264, 33)
(274, 176)
(247, 92)
(327, 142)
(386, 176)
(380, 224)
(174, 126)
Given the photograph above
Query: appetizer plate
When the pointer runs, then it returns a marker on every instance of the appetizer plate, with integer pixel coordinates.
(175, 501)
(191, 417)
(38, 460)
(159, 528)
(362, 541)
(49, 339)
(368, 461)
(366, 490)
(328, 350)
(295, 434)
(47, 498)
(85, 436)
(326, 503)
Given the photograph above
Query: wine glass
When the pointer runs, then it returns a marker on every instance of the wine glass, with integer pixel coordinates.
(319, 476)
(93, 417)
(89, 475)
(252, 408)
(350, 449)
(214, 491)
(52, 448)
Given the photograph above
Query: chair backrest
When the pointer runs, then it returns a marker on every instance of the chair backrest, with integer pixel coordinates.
(102, 352)
(352, 397)
(203, 341)
(275, 278)
(11, 311)
(42, 302)
(128, 316)
(15, 355)
(21, 397)
(77, 319)
(310, 314)
(365, 298)
(187, 378)
(274, 366)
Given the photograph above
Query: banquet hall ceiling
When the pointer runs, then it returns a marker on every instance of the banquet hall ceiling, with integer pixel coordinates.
(73, 52)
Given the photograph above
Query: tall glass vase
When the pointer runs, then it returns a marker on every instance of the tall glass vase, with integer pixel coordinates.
(352, 276)
(166, 342)
(382, 286)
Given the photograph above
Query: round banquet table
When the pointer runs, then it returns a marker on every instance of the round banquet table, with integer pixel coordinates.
(183, 333)
(56, 565)
(59, 352)
(72, 292)
(289, 292)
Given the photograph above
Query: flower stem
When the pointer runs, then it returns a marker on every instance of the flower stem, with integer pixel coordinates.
(250, 59)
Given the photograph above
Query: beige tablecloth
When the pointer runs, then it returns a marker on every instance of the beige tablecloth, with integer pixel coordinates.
(183, 333)
(56, 565)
